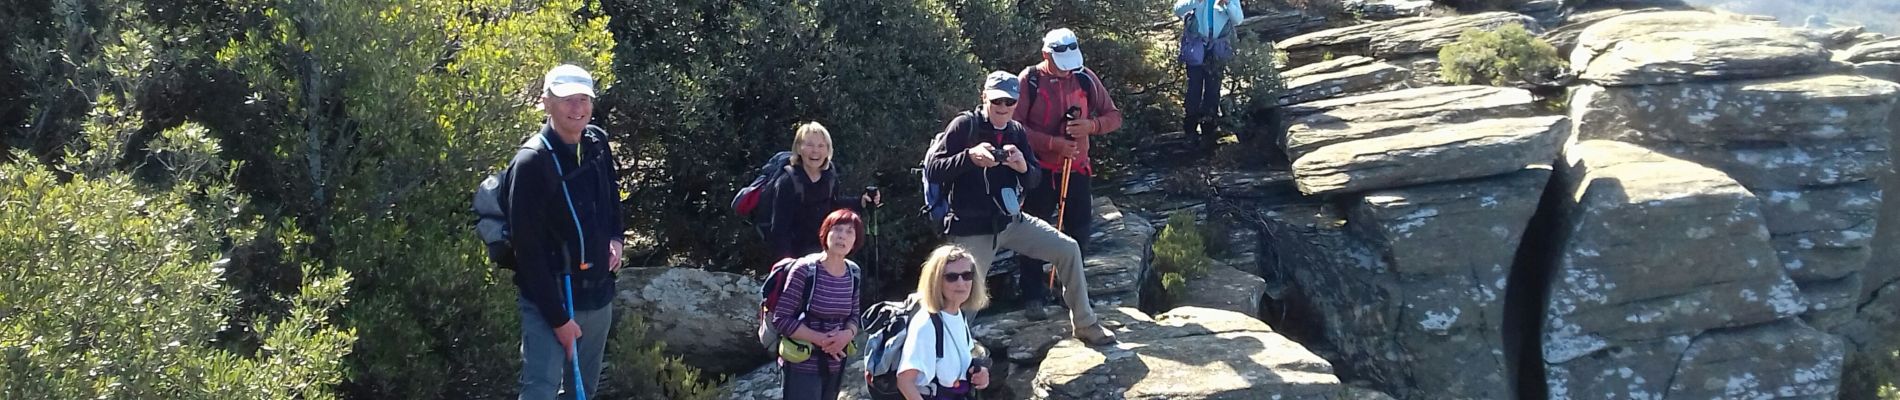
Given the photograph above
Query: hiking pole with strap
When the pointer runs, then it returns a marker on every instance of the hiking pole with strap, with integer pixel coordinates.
(567, 272)
(1062, 196)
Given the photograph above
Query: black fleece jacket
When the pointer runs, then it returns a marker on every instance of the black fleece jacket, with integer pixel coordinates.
(543, 230)
(975, 193)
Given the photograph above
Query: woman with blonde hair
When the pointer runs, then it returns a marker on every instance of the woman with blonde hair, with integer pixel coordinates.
(950, 291)
(806, 193)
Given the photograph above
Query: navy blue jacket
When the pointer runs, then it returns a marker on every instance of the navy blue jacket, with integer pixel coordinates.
(973, 192)
(543, 230)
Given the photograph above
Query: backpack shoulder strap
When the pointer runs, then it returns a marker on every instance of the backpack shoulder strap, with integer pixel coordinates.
(1031, 87)
(936, 321)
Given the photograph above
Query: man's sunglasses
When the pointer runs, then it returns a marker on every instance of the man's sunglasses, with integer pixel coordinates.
(954, 276)
(1064, 47)
(1005, 102)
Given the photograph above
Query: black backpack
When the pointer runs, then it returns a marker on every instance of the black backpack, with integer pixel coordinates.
(491, 199)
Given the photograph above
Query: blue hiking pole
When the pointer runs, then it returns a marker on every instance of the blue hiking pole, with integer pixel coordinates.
(580, 390)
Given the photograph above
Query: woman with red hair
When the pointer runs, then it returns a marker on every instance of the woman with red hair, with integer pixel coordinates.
(824, 325)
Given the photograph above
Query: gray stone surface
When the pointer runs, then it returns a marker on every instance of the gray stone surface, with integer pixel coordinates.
(1407, 285)
(1771, 165)
(1451, 152)
(1192, 353)
(1445, 103)
(1786, 359)
(1882, 50)
(1119, 255)
(1352, 74)
(1680, 46)
(1656, 247)
(1277, 24)
(1808, 108)
(1224, 288)
(1394, 38)
(1564, 37)
(1381, 10)
(709, 319)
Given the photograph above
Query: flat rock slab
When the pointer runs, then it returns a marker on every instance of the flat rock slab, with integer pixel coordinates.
(1370, 76)
(1881, 50)
(1564, 37)
(1800, 165)
(1224, 288)
(1656, 247)
(1446, 153)
(1681, 46)
(1446, 103)
(710, 319)
(1789, 109)
(1120, 253)
(1782, 359)
(1395, 38)
(1192, 353)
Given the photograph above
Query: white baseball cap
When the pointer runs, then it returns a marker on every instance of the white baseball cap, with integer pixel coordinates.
(567, 80)
(1062, 47)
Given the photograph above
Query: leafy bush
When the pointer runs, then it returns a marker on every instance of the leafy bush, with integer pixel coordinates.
(113, 292)
(637, 367)
(1497, 57)
(1253, 90)
(1872, 374)
(1181, 249)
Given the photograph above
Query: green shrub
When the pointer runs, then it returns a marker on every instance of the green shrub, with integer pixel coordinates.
(1181, 249)
(1174, 284)
(1872, 374)
(1497, 57)
(637, 367)
(113, 292)
(1253, 90)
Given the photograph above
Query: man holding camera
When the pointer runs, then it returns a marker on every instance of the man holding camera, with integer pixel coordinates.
(980, 161)
(1063, 105)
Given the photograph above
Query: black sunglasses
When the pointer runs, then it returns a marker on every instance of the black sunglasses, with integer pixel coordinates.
(1064, 47)
(954, 276)
(1005, 102)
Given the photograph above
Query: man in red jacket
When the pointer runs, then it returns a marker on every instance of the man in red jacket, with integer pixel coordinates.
(1064, 105)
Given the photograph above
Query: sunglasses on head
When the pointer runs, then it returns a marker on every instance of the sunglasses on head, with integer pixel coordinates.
(1005, 102)
(1064, 47)
(954, 276)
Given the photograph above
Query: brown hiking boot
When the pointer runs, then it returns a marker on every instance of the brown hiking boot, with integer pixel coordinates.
(1095, 335)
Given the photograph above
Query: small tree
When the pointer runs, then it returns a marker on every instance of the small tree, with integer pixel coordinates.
(1497, 57)
(1181, 253)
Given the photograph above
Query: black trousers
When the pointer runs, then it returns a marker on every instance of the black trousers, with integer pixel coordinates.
(1203, 103)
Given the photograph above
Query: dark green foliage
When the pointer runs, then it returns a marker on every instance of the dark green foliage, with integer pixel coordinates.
(1181, 253)
(1503, 56)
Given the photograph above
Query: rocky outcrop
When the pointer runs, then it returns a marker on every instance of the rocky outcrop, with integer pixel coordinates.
(1120, 253)
(1681, 46)
(1787, 109)
(1350, 74)
(1278, 24)
(1470, 150)
(1442, 103)
(1546, 12)
(1381, 10)
(1394, 38)
(1883, 50)
(1224, 288)
(709, 319)
(1192, 353)
(1564, 37)
(1663, 266)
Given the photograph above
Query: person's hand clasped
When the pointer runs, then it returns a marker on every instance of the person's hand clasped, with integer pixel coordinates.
(1016, 160)
(980, 379)
(983, 154)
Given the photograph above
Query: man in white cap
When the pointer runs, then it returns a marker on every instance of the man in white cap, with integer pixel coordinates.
(979, 162)
(564, 228)
(1064, 104)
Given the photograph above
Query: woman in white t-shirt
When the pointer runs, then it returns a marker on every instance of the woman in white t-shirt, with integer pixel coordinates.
(952, 291)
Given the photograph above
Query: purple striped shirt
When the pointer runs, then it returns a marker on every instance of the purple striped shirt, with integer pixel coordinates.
(834, 306)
